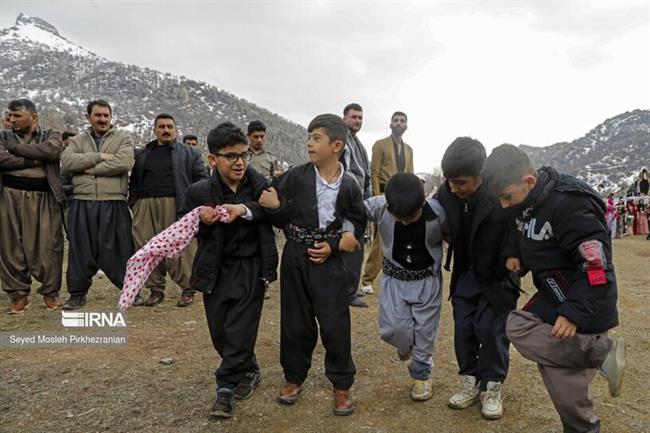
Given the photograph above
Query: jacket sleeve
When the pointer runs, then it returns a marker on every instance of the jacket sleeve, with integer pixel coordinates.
(355, 214)
(199, 171)
(409, 160)
(374, 206)
(121, 162)
(192, 201)
(375, 167)
(9, 161)
(75, 160)
(46, 150)
(583, 235)
(283, 185)
(134, 185)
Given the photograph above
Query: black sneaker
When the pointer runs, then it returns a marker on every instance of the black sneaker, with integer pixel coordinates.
(247, 385)
(224, 406)
(75, 302)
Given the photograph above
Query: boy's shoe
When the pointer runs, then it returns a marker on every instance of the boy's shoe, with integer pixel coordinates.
(19, 305)
(155, 298)
(138, 301)
(491, 401)
(367, 290)
(247, 385)
(403, 357)
(224, 407)
(52, 302)
(289, 393)
(186, 299)
(467, 395)
(421, 390)
(613, 367)
(343, 404)
(357, 302)
(75, 302)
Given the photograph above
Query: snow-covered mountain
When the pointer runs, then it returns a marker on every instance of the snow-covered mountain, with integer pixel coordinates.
(61, 77)
(612, 154)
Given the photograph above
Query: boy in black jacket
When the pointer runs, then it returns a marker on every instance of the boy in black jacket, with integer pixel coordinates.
(233, 263)
(482, 290)
(566, 245)
(310, 203)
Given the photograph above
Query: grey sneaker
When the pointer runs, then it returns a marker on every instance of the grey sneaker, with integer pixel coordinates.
(467, 395)
(613, 367)
(491, 401)
(357, 302)
(247, 385)
(421, 390)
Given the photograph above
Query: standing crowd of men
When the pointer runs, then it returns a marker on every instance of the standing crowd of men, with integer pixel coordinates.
(500, 215)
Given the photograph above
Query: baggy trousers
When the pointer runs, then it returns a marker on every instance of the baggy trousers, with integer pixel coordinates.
(567, 367)
(480, 340)
(150, 217)
(373, 262)
(100, 237)
(309, 293)
(233, 311)
(31, 242)
(353, 262)
(409, 314)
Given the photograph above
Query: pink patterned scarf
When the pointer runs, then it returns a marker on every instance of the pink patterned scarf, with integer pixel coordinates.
(169, 243)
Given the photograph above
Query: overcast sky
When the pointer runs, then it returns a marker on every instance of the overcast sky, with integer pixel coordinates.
(500, 71)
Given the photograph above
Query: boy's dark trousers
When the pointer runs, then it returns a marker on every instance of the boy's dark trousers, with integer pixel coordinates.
(233, 311)
(480, 339)
(311, 292)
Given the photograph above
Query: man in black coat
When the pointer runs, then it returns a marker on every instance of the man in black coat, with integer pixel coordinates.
(164, 169)
(482, 290)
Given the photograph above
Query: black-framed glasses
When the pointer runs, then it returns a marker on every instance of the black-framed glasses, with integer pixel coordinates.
(233, 157)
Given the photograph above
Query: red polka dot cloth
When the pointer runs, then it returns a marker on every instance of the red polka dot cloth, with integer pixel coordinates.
(169, 243)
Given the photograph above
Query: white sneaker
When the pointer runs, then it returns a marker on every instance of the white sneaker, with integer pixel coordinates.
(491, 401)
(367, 290)
(467, 395)
(613, 367)
(421, 390)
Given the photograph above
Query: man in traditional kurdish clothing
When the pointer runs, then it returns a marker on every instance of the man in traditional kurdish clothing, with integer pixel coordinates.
(30, 208)
(164, 170)
(99, 220)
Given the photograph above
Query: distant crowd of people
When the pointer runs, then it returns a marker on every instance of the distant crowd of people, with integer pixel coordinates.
(500, 216)
(628, 216)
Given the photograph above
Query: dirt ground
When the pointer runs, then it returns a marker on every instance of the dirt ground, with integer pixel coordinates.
(129, 390)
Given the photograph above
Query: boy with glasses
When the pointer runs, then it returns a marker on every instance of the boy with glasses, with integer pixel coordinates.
(232, 264)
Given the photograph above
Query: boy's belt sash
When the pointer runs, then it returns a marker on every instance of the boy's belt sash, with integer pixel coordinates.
(399, 273)
(308, 236)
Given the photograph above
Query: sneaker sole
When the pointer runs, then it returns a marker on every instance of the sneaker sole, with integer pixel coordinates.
(421, 397)
(289, 400)
(221, 415)
(464, 404)
(615, 390)
(491, 417)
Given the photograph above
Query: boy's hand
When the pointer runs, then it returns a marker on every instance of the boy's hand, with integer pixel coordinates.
(513, 264)
(269, 198)
(320, 252)
(208, 215)
(235, 211)
(563, 328)
(348, 243)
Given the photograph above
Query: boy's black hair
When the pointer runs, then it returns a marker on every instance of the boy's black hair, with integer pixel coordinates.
(99, 102)
(465, 156)
(67, 134)
(332, 124)
(353, 106)
(506, 165)
(18, 104)
(224, 135)
(164, 116)
(190, 137)
(399, 113)
(404, 194)
(256, 125)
